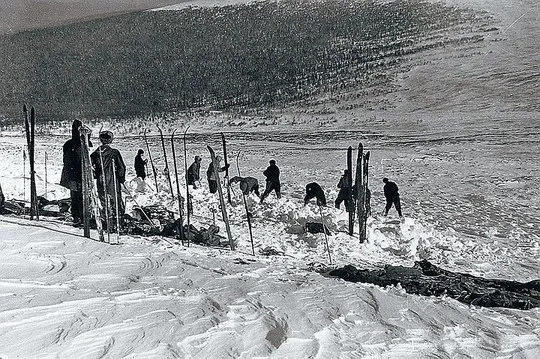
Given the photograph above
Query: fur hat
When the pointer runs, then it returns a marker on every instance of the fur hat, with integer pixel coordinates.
(106, 137)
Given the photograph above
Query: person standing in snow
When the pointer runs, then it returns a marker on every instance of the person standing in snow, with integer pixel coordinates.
(193, 174)
(140, 164)
(314, 190)
(71, 177)
(140, 170)
(212, 180)
(109, 192)
(2, 200)
(272, 180)
(392, 196)
(343, 195)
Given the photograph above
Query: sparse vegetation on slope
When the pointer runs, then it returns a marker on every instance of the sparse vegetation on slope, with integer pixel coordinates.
(262, 54)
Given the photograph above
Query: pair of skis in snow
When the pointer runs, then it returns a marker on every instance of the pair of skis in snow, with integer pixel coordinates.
(362, 194)
(30, 129)
(91, 203)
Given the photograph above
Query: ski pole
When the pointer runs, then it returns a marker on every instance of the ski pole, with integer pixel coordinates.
(181, 218)
(189, 204)
(107, 202)
(24, 174)
(116, 202)
(46, 155)
(151, 161)
(138, 205)
(325, 235)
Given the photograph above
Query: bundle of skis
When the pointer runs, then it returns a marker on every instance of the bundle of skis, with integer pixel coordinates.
(30, 129)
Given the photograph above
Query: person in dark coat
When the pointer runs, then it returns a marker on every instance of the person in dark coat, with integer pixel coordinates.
(193, 174)
(343, 195)
(314, 190)
(2, 200)
(109, 192)
(210, 175)
(272, 180)
(140, 170)
(247, 185)
(392, 196)
(140, 164)
(71, 177)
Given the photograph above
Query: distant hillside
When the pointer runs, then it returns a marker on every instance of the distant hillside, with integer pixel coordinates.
(263, 54)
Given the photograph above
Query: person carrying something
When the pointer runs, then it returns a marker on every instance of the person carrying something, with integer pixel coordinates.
(247, 185)
(109, 192)
(392, 196)
(211, 176)
(140, 170)
(71, 177)
(193, 174)
(272, 180)
(314, 190)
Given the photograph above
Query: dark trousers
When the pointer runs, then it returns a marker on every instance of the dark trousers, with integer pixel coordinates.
(76, 204)
(393, 201)
(272, 186)
(342, 197)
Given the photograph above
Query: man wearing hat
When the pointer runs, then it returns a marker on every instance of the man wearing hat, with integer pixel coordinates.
(193, 174)
(272, 180)
(109, 192)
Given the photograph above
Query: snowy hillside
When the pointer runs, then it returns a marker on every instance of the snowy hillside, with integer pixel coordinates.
(459, 135)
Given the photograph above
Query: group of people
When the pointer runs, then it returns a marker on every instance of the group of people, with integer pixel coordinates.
(109, 170)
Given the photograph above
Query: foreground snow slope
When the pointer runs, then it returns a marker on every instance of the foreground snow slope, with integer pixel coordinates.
(64, 296)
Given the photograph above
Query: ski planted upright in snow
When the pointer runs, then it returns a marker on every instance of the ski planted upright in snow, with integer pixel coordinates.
(30, 128)
(107, 200)
(167, 172)
(116, 201)
(360, 194)
(367, 198)
(221, 199)
(248, 213)
(189, 203)
(181, 217)
(226, 167)
(90, 196)
(151, 161)
(350, 195)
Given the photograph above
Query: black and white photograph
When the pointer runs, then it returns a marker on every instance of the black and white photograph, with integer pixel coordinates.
(269, 179)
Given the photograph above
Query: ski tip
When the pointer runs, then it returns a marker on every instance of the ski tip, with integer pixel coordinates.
(24, 108)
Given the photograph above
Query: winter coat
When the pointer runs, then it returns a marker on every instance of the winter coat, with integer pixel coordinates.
(314, 190)
(210, 171)
(391, 190)
(194, 172)
(109, 156)
(247, 184)
(140, 166)
(272, 173)
(71, 176)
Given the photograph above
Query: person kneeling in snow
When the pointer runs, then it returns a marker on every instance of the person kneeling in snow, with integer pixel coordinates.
(313, 190)
(247, 185)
